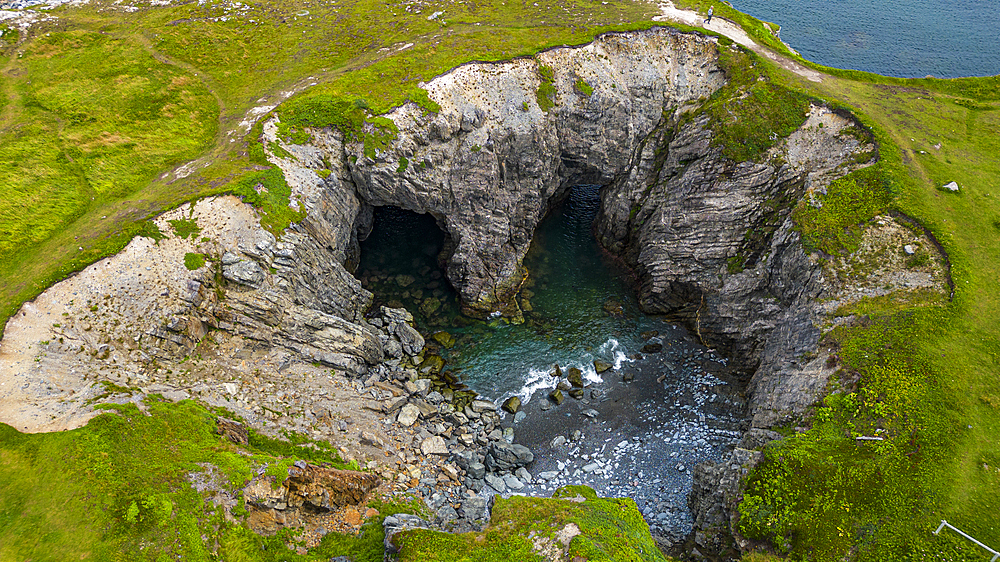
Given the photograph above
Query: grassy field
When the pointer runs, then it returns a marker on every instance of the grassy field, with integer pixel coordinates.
(104, 102)
(924, 373)
(100, 105)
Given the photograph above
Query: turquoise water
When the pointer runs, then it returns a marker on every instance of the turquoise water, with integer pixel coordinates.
(582, 301)
(891, 37)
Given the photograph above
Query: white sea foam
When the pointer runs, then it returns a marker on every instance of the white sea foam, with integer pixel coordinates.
(612, 348)
(540, 379)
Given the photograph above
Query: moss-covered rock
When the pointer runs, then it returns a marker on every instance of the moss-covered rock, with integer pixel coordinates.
(573, 523)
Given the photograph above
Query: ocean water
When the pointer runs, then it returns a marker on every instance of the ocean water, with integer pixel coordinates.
(581, 301)
(891, 37)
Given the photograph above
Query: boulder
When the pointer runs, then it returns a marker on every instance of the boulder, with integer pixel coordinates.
(395, 524)
(444, 338)
(512, 404)
(324, 488)
(480, 406)
(602, 366)
(652, 348)
(244, 272)
(434, 445)
(474, 509)
(506, 456)
(951, 186)
(575, 377)
(431, 364)
(445, 514)
(496, 482)
(232, 430)
(408, 415)
(556, 396)
(409, 337)
(513, 482)
(476, 470)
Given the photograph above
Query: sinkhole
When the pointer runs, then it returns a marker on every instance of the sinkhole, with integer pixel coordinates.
(664, 403)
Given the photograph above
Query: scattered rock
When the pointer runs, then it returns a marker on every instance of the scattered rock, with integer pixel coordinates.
(591, 413)
(395, 524)
(512, 404)
(434, 445)
(444, 338)
(408, 415)
(575, 377)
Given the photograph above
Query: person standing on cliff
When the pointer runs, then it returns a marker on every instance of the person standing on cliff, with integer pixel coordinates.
(710, 10)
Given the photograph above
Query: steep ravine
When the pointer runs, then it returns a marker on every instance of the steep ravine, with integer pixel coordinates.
(487, 167)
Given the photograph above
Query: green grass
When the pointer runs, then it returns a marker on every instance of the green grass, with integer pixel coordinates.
(834, 222)
(194, 261)
(919, 368)
(611, 529)
(546, 94)
(95, 113)
(117, 490)
(752, 112)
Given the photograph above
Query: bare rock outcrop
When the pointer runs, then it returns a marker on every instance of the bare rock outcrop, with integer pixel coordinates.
(492, 162)
(309, 489)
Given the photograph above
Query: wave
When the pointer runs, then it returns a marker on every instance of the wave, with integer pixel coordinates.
(541, 379)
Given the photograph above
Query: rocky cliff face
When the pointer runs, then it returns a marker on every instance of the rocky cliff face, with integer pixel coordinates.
(492, 162)
(715, 247)
(488, 166)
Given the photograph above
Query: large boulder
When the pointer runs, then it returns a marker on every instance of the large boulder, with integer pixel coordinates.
(506, 456)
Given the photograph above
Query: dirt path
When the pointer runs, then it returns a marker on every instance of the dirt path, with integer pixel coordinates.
(731, 30)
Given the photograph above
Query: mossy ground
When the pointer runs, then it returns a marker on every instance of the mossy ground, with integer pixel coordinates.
(100, 103)
(611, 529)
(118, 488)
(918, 372)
